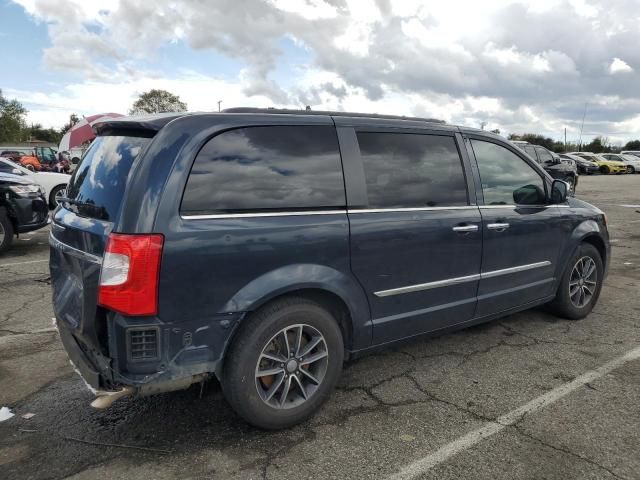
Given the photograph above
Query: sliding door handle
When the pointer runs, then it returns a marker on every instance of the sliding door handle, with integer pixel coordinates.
(465, 228)
(498, 227)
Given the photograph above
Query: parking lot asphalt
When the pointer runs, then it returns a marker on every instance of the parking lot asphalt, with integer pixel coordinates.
(526, 396)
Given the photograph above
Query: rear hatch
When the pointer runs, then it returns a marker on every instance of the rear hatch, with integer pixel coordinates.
(79, 233)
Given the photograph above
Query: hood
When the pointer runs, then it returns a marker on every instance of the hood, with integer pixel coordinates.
(9, 179)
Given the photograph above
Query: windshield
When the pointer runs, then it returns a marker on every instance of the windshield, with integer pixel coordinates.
(97, 186)
(7, 167)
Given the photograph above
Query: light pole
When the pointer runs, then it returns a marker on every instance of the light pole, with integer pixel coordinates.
(219, 102)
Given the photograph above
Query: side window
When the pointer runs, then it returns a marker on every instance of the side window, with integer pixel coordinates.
(404, 170)
(544, 155)
(270, 168)
(532, 153)
(506, 178)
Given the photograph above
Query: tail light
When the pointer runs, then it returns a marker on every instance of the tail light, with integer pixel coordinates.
(129, 275)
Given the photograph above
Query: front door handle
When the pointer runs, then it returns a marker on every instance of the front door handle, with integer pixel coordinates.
(465, 228)
(498, 227)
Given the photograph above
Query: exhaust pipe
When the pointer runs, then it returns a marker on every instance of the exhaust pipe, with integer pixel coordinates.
(105, 398)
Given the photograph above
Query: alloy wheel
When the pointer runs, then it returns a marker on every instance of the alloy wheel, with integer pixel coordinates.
(292, 366)
(583, 282)
(60, 194)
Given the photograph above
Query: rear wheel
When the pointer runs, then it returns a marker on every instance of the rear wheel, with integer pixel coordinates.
(580, 284)
(6, 231)
(604, 170)
(283, 363)
(56, 194)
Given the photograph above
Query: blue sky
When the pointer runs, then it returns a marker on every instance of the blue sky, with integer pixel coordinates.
(516, 65)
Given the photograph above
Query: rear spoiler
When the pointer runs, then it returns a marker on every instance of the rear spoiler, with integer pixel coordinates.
(146, 125)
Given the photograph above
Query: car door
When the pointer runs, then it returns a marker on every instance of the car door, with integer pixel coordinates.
(521, 233)
(414, 233)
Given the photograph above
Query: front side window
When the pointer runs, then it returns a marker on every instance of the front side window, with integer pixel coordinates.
(405, 170)
(544, 155)
(506, 178)
(268, 168)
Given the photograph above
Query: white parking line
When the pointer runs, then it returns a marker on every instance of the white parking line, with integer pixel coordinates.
(423, 465)
(22, 263)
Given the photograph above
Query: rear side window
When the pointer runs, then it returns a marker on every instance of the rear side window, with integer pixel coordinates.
(97, 185)
(405, 170)
(531, 151)
(270, 168)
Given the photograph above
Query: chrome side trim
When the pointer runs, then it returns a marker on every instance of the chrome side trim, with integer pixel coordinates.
(519, 268)
(264, 214)
(410, 209)
(458, 280)
(511, 205)
(68, 249)
(427, 286)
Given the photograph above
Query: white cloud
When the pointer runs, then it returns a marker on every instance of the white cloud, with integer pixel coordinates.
(619, 66)
(516, 64)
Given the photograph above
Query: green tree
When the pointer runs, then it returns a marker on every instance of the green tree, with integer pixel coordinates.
(73, 119)
(157, 101)
(37, 132)
(598, 145)
(632, 145)
(12, 120)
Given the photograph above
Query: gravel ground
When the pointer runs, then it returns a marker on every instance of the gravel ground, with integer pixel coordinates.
(526, 396)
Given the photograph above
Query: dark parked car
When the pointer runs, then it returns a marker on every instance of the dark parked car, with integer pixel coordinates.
(552, 163)
(585, 167)
(23, 208)
(265, 247)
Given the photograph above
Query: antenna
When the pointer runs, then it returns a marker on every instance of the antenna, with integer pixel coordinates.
(582, 126)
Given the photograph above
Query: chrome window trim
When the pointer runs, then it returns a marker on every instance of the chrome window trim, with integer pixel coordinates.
(55, 243)
(264, 214)
(411, 209)
(323, 212)
(457, 280)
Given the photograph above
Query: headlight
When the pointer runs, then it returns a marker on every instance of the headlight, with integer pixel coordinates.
(25, 190)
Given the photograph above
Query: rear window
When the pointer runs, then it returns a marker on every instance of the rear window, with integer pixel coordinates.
(270, 168)
(97, 185)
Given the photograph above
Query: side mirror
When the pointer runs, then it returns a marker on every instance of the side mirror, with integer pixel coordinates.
(559, 191)
(528, 195)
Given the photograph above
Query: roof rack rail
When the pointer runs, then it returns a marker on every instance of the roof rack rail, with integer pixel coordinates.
(327, 112)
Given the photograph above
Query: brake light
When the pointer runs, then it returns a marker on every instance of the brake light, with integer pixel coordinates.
(129, 275)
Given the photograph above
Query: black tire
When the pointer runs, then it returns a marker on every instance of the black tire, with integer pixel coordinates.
(630, 169)
(604, 170)
(6, 231)
(53, 193)
(562, 305)
(239, 379)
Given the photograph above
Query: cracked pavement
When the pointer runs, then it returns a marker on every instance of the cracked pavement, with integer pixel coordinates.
(389, 410)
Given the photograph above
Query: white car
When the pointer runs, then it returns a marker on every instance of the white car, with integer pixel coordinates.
(54, 184)
(630, 161)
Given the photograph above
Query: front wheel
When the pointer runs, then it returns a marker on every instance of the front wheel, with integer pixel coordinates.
(6, 231)
(283, 364)
(580, 284)
(630, 169)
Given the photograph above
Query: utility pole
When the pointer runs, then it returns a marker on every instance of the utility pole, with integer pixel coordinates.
(565, 139)
(219, 102)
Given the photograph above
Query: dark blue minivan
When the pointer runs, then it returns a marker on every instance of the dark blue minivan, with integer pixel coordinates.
(265, 247)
